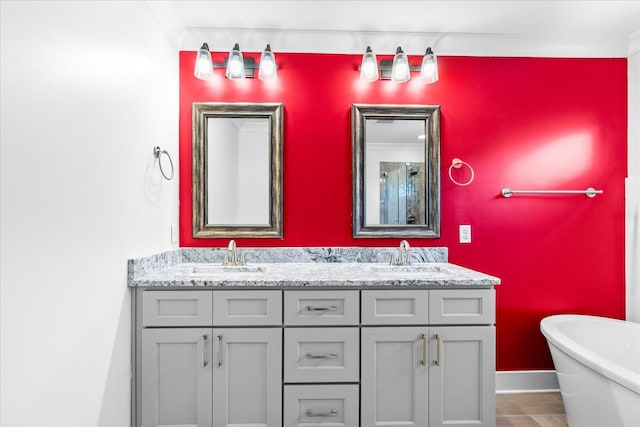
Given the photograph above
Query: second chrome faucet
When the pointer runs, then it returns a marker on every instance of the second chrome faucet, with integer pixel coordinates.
(232, 257)
(404, 255)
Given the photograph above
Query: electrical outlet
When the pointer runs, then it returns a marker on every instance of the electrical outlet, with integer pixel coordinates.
(465, 234)
(174, 233)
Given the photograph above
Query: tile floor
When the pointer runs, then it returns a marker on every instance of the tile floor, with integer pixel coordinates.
(530, 410)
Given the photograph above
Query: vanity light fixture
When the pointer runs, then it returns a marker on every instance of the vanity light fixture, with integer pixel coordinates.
(400, 67)
(429, 68)
(369, 67)
(204, 67)
(236, 66)
(268, 68)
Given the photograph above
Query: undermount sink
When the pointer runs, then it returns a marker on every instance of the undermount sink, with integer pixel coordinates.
(225, 269)
(390, 269)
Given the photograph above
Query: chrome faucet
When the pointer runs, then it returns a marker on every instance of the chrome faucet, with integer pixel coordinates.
(231, 255)
(404, 255)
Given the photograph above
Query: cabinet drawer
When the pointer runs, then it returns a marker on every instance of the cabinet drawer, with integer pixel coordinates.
(461, 306)
(238, 308)
(321, 355)
(395, 307)
(321, 405)
(176, 308)
(321, 308)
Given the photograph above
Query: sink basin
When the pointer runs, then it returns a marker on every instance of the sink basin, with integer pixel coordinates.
(397, 269)
(225, 269)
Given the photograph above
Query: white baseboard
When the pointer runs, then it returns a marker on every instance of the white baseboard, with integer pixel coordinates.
(526, 382)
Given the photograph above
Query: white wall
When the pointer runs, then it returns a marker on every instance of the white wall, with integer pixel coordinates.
(88, 89)
(633, 182)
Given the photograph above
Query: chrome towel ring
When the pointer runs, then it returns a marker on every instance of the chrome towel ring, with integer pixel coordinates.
(457, 164)
(157, 152)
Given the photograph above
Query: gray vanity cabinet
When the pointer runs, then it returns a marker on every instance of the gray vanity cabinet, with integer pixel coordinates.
(461, 376)
(199, 369)
(247, 377)
(176, 377)
(321, 357)
(428, 358)
(394, 381)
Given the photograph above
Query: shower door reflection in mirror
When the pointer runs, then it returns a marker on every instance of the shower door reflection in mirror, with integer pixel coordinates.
(402, 193)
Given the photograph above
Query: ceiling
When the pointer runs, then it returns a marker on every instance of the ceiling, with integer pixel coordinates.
(452, 27)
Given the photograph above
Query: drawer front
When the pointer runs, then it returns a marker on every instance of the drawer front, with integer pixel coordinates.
(462, 306)
(395, 307)
(177, 308)
(321, 405)
(321, 308)
(321, 355)
(247, 307)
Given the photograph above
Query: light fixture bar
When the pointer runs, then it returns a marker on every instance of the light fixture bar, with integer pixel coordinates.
(385, 68)
(249, 66)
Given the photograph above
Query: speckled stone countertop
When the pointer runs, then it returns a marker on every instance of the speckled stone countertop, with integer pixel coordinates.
(303, 267)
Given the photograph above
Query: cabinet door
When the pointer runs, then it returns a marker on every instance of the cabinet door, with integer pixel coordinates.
(247, 377)
(394, 383)
(176, 377)
(462, 376)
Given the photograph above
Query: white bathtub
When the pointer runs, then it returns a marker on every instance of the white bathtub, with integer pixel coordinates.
(598, 364)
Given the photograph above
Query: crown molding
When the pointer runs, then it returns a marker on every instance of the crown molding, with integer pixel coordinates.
(413, 43)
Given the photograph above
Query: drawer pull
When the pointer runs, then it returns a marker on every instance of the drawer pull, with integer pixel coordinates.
(332, 413)
(322, 356)
(330, 308)
(437, 361)
(204, 351)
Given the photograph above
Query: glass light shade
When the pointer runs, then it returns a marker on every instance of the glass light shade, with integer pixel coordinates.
(400, 67)
(429, 68)
(203, 69)
(235, 64)
(369, 67)
(268, 67)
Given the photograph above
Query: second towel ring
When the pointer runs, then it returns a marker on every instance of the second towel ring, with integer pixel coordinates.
(457, 163)
(156, 153)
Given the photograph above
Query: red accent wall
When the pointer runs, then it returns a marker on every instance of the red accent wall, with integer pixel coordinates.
(525, 123)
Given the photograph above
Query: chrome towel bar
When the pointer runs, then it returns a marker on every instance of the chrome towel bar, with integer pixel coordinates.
(589, 192)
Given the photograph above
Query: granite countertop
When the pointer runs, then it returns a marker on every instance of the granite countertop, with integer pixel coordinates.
(303, 267)
(317, 274)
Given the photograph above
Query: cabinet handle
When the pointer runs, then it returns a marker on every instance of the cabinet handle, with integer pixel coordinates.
(332, 413)
(437, 361)
(322, 356)
(423, 362)
(219, 350)
(330, 308)
(204, 351)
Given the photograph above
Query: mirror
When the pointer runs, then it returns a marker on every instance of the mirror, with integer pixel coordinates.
(396, 164)
(237, 170)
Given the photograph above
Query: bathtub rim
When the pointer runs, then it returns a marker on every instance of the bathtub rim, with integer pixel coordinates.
(587, 357)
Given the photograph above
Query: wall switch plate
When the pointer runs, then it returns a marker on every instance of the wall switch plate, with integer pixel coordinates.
(465, 234)
(174, 233)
